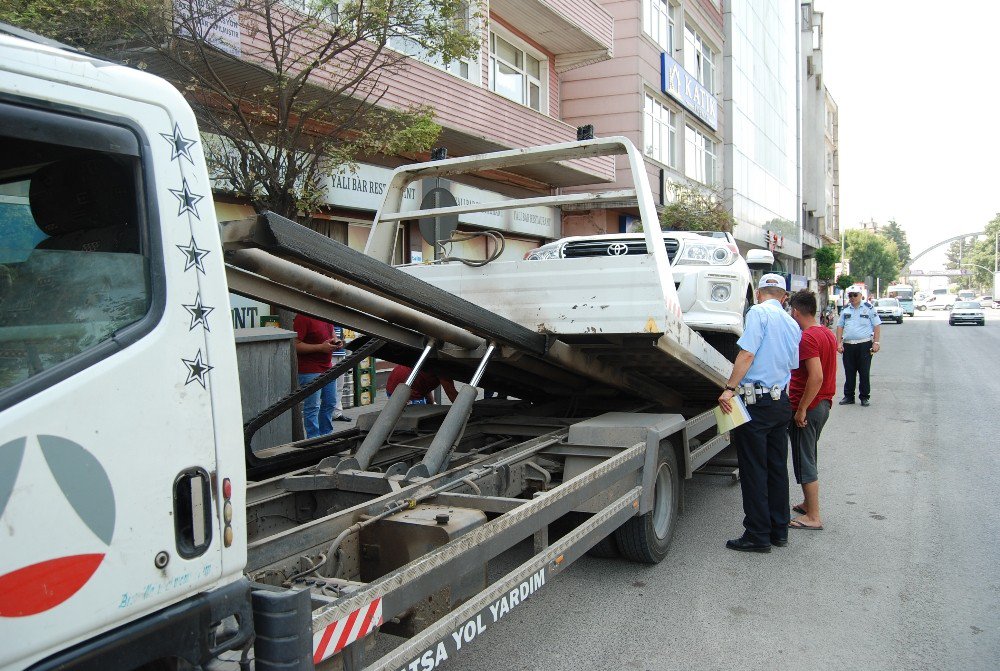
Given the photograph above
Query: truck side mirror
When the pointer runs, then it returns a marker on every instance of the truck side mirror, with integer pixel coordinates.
(760, 259)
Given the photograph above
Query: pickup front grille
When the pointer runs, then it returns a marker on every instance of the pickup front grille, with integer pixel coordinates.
(583, 248)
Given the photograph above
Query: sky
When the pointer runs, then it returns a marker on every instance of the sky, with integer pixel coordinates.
(918, 91)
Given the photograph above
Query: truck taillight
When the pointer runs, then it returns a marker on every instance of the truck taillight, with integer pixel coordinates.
(227, 511)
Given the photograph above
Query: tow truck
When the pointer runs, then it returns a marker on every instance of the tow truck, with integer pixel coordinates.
(142, 531)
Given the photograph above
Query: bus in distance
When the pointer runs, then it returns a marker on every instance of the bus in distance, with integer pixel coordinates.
(904, 294)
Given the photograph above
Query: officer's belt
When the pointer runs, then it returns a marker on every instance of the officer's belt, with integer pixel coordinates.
(856, 342)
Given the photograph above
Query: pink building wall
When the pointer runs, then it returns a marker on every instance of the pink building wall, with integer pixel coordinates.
(611, 94)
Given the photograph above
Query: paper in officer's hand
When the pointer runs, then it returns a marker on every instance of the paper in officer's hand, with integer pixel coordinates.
(737, 415)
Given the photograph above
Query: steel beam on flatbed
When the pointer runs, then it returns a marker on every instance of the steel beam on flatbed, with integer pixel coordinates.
(312, 283)
(282, 237)
(268, 291)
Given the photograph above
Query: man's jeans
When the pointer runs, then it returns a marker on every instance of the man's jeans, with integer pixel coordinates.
(319, 408)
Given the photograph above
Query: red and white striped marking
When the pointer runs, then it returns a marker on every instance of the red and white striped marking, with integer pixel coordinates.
(347, 630)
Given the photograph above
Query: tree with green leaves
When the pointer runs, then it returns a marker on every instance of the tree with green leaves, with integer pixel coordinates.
(895, 232)
(874, 258)
(696, 208)
(286, 91)
(845, 281)
(982, 257)
(827, 258)
(958, 255)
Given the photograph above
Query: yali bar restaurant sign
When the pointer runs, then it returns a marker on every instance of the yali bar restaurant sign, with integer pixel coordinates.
(680, 85)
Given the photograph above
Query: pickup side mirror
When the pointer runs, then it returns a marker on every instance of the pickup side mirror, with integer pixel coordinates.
(760, 259)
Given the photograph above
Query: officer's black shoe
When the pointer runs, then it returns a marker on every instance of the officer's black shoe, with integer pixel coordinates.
(741, 544)
(847, 401)
(779, 541)
(864, 402)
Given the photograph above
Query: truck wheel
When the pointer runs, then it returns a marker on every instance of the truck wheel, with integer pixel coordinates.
(646, 538)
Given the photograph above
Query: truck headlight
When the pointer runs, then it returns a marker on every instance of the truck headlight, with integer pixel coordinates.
(699, 253)
(721, 292)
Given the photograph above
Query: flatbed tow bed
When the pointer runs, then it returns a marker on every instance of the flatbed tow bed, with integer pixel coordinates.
(392, 531)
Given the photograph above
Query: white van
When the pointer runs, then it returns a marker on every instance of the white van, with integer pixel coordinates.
(941, 299)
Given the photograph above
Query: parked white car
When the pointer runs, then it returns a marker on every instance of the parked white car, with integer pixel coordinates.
(889, 310)
(713, 280)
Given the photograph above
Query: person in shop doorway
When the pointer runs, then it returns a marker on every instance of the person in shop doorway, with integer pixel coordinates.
(318, 347)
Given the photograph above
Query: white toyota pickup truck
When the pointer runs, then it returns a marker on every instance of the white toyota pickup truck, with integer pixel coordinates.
(713, 280)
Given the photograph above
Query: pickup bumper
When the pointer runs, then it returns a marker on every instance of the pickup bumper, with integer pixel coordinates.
(186, 630)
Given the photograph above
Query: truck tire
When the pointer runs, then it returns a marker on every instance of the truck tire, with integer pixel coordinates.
(646, 538)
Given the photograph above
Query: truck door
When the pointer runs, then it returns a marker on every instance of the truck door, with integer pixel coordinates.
(114, 330)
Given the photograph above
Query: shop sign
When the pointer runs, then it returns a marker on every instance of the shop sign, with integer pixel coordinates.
(680, 85)
(216, 23)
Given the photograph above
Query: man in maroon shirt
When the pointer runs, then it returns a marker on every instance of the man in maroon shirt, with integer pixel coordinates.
(811, 392)
(315, 343)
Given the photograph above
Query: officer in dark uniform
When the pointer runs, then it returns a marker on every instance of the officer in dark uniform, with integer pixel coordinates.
(858, 331)
(769, 350)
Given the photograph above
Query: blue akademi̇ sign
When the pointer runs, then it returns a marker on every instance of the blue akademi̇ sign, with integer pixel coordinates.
(677, 83)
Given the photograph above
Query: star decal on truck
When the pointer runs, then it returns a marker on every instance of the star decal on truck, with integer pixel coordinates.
(197, 370)
(193, 256)
(179, 145)
(199, 313)
(187, 199)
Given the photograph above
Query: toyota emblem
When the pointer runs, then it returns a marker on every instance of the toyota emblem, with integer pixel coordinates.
(617, 249)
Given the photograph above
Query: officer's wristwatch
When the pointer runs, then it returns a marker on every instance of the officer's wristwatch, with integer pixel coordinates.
(728, 388)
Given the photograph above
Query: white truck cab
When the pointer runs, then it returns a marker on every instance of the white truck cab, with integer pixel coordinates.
(116, 510)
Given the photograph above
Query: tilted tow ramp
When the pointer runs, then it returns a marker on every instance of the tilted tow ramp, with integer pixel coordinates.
(394, 529)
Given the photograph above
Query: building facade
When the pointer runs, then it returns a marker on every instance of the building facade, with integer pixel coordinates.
(760, 152)
(509, 95)
(820, 155)
(662, 91)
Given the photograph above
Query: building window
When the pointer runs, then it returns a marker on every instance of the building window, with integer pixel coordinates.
(829, 162)
(699, 59)
(516, 73)
(465, 68)
(699, 156)
(658, 23)
(659, 132)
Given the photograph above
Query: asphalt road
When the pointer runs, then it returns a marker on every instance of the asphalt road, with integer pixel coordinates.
(903, 577)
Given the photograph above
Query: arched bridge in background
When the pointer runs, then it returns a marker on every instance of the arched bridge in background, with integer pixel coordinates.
(906, 269)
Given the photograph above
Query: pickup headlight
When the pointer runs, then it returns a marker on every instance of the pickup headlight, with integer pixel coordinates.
(700, 253)
(542, 253)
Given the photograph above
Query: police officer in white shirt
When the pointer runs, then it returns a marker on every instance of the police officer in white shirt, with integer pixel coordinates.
(858, 331)
(769, 350)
